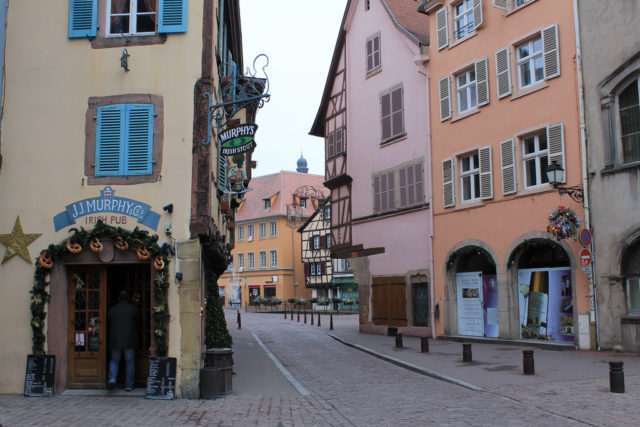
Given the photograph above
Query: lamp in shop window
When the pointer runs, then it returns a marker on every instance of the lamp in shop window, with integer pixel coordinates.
(555, 176)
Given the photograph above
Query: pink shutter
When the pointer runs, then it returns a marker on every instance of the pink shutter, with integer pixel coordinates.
(419, 183)
(403, 187)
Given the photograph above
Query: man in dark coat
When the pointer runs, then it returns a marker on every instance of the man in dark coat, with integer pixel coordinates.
(124, 340)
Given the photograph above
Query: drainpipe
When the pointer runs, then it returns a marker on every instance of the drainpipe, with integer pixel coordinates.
(585, 172)
(221, 27)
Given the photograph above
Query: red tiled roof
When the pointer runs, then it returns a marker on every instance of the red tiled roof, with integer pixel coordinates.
(278, 187)
(406, 14)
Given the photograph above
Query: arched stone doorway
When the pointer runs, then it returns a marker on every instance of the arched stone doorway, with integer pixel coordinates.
(542, 290)
(471, 296)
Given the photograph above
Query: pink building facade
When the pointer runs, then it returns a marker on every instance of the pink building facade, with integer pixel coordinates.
(374, 118)
(504, 106)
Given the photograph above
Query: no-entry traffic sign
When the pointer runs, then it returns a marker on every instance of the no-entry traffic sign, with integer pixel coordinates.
(585, 256)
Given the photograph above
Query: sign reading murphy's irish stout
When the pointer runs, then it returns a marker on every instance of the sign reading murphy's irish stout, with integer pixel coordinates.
(235, 144)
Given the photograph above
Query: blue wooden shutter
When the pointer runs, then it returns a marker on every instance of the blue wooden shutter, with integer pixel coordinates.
(109, 144)
(83, 18)
(139, 139)
(172, 16)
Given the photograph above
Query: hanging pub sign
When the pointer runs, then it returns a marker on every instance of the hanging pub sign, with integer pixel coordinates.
(235, 144)
(108, 209)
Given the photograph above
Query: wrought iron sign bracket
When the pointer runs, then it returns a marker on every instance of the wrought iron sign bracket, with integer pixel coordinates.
(236, 92)
(576, 193)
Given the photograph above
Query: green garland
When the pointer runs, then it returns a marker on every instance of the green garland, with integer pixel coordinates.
(136, 238)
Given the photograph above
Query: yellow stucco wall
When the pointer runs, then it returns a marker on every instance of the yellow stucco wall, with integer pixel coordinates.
(48, 80)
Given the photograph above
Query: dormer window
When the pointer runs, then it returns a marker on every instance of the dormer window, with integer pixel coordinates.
(267, 204)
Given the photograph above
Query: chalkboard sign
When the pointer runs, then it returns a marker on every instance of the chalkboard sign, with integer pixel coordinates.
(40, 375)
(161, 382)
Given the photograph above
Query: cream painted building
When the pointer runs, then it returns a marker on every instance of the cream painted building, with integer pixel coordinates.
(105, 120)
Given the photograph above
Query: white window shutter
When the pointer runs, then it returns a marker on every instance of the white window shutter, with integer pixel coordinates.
(445, 99)
(376, 194)
(555, 141)
(486, 177)
(551, 52)
(507, 158)
(503, 72)
(500, 4)
(448, 187)
(482, 82)
(442, 28)
(477, 14)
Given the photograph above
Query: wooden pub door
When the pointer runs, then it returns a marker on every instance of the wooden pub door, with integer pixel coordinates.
(92, 291)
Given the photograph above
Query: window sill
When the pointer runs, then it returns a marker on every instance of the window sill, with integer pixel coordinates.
(399, 211)
(102, 42)
(373, 72)
(464, 115)
(469, 205)
(533, 191)
(462, 40)
(620, 168)
(393, 140)
(529, 90)
(518, 8)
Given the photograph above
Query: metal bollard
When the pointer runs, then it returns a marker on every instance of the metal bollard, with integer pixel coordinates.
(616, 377)
(305, 317)
(528, 366)
(311, 317)
(466, 353)
(239, 320)
(285, 313)
(424, 344)
(398, 340)
(292, 314)
(298, 315)
(331, 321)
(318, 318)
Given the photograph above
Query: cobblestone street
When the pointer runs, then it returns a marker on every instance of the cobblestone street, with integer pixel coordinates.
(339, 385)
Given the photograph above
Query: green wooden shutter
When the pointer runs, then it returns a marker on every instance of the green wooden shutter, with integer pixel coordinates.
(139, 139)
(83, 18)
(172, 16)
(110, 127)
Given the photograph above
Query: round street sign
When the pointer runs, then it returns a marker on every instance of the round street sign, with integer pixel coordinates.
(585, 256)
(585, 237)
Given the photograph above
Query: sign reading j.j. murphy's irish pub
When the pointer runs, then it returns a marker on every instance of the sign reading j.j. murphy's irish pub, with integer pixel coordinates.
(235, 144)
(103, 205)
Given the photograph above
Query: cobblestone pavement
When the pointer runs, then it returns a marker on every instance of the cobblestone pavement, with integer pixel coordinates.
(348, 387)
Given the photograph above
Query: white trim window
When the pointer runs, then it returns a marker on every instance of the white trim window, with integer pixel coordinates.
(240, 233)
(273, 229)
(629, 110)
(535, 158)
(273, 255)
(467, 91)
(134, 17)
(374, 62)
(303, 202)
(530, 62)
(267, 204)
(262, 258)
(262, 230)
(250, 232)
(463, 19)
(251, 260)
(392, 113)
(470, 178)
(316, 242)
(230, 267)
(240, 261)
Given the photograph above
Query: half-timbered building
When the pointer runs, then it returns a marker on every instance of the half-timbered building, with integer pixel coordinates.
(373, 117)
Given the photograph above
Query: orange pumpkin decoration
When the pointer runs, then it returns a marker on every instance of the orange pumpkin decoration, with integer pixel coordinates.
(143, 253)
(95, 245)
(121, 244)
(74, 248)
(158, 263)
(45, 260)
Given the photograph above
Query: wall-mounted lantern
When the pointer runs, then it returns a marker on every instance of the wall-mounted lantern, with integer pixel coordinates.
(555, 176)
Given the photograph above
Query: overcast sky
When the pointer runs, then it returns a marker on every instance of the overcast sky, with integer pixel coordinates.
(298, 36)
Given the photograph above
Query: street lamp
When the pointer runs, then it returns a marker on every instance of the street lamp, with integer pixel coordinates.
(555, 176)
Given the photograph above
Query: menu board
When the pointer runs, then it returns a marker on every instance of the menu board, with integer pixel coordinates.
(162, 378)
(40, 375)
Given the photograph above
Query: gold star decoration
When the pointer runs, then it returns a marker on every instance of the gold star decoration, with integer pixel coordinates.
(17, 242)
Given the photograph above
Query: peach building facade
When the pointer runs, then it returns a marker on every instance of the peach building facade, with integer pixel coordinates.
(504, 105)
